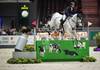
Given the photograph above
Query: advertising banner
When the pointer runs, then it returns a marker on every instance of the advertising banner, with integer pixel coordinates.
(12, 40)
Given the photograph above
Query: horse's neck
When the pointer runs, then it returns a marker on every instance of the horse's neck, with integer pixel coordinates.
(73, 19)
(71, 22)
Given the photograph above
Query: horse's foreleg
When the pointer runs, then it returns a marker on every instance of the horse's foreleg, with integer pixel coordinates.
(77, 42)
(74, 37)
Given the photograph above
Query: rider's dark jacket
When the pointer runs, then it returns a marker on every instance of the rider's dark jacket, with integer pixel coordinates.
(69, 12)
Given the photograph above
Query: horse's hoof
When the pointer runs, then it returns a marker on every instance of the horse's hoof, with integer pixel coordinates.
(77, 47)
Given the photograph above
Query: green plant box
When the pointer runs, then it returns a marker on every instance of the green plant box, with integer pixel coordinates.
(66, 51)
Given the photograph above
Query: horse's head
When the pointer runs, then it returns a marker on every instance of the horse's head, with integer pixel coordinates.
(80, 19)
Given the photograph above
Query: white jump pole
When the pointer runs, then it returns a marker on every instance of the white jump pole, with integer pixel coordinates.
(21, 42)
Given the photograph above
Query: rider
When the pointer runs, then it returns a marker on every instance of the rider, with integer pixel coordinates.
(71, 10)
(68, 11)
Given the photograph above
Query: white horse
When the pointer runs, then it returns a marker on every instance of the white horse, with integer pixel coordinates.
(69, 26)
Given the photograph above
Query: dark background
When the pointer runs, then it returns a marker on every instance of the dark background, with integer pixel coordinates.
(41, 9)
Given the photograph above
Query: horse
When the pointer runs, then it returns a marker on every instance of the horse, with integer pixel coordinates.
(68, 26)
